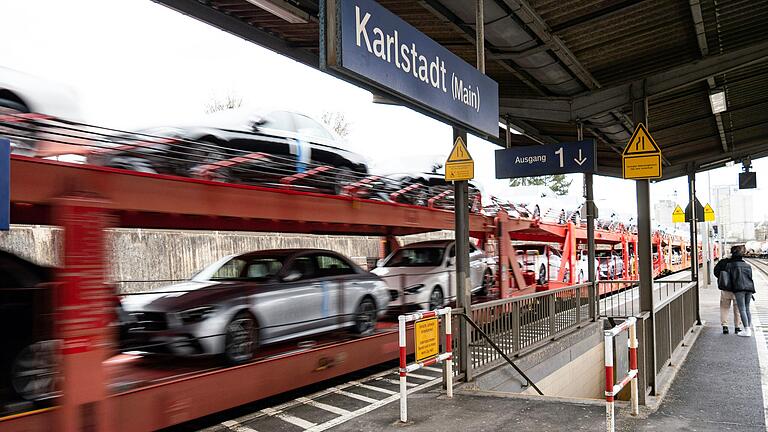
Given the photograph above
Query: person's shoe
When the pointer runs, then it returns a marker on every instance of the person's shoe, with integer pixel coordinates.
(746, 333)
(737, 330)
(725, 329)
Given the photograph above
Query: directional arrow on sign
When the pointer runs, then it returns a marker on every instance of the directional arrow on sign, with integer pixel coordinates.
(581, 159)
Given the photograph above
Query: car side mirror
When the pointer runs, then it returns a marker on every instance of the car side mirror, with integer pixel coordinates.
(380, 263)
(292, 276)
(449, 263)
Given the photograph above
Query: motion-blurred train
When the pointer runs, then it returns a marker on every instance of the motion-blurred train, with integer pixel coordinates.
(758, 249)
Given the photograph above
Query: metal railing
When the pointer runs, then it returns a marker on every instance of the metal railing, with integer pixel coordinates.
(517, 325)
(673, 318)
(620, 298)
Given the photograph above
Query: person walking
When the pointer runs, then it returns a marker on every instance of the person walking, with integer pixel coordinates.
(742, 285)
(727, 298)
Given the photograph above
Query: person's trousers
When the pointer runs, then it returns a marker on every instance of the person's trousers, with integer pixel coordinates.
(742, 299)
(726, 300)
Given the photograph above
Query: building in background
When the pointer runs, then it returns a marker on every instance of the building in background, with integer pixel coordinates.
(662, 212)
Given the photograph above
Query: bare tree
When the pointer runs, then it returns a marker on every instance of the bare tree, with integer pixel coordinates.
(229, 101)
(337, 122)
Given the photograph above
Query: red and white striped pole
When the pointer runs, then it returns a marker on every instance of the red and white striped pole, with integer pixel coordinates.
(633, 367)
(449, 351)
(609, 419)
(403, 384)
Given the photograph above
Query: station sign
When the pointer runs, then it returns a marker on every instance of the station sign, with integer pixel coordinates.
(459, 165)
(709, 213)
(365, 41)
(561, 158)
(678, 215)
(427, 338)
(641, 158)
(5, 184)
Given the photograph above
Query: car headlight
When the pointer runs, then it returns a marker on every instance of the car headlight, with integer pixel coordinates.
(413, 289)
(197, 314)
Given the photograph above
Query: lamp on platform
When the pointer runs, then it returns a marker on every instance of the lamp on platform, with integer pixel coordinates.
(717, 101)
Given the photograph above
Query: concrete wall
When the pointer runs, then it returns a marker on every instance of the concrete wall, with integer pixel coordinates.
(572, 366)
(161, 255)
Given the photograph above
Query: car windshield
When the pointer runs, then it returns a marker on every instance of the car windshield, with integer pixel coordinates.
(417, 257)
(242, 267)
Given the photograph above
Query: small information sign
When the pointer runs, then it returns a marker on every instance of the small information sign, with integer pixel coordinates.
(427, 338)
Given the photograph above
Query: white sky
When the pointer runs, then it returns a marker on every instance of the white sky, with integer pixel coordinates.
(136, 63)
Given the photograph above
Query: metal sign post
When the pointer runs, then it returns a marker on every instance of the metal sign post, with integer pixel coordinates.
(463, 295)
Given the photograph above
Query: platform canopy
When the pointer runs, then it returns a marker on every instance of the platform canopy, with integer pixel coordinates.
(703, 64)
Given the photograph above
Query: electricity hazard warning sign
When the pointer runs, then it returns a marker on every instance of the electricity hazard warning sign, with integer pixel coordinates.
(641, 158)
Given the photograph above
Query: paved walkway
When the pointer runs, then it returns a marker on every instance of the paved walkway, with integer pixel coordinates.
(718, 388)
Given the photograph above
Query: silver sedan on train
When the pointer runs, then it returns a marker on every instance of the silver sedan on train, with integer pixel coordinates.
(241, 302)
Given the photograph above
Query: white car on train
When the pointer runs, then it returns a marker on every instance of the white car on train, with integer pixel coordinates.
(422, 275)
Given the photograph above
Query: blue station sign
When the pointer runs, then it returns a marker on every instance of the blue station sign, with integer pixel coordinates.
(367, 42)
(5, 184)
(561, 158)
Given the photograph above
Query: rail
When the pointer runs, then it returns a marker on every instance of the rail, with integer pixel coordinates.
(513, 326)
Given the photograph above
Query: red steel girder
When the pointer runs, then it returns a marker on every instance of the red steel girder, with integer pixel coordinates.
(161, 201)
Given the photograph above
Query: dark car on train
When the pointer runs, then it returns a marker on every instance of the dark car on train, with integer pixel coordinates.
(241, 146)
(27, 356)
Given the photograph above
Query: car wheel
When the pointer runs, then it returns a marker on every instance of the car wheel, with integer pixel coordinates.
(35, 373)
(20, 146)
(365, 317)
(436, 299)
(241, 338)
(487, 283)
(542, 275)
(132, 164)
(209, 152)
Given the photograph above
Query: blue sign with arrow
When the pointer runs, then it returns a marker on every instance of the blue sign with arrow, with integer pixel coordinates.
(560, 158)
(5, 184)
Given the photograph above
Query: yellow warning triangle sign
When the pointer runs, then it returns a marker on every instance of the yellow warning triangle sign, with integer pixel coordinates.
(459, 152)
(709, 213)
(678, 216)
(641, 143)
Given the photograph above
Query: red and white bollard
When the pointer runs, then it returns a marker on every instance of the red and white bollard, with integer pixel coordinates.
(611, 389)
(405, 368)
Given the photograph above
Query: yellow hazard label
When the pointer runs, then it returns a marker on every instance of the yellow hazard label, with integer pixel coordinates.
(641, 143)
(709, 213)
(458, 171)
(459, 165)
(678, 216)
(459, 152)
(641, 167)
(427, 338)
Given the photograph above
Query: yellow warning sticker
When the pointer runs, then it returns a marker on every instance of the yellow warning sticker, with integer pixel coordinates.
(678, 216)
(709, 213)
(641, 158)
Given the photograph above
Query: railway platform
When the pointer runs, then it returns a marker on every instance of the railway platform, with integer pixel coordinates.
(719, 386)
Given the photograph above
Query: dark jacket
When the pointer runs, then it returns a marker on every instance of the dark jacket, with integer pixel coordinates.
(720, 266)
(741, 275)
